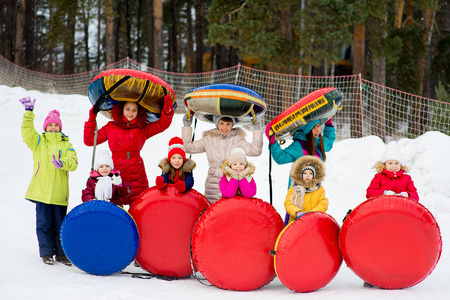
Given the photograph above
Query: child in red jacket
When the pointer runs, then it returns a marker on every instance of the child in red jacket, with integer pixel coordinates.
(104, 182)
(391, 177)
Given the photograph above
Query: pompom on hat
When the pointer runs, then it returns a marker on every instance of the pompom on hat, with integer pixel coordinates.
(176, 146)
(392, 153)
(53, 117)
(237, 154)
(103, 158)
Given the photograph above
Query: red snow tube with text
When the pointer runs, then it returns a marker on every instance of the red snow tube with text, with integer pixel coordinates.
(391, 242)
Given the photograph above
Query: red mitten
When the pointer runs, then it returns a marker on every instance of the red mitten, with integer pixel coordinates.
(180, 185)
(168, 106)
(270, 137)
(92, 114)
(160, 184)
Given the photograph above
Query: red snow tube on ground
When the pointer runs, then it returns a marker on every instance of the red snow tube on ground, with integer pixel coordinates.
(165, 220)
(391, 242)
(307, 252)
(232, 240)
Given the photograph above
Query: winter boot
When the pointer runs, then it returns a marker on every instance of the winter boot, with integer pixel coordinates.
(48, 259)
(368, 285)
(63, 259)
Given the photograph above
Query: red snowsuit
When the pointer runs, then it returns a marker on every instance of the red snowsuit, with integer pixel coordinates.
(125, 140)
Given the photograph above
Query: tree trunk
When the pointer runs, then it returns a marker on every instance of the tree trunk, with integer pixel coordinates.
(158, 38)
(190, 59)
(151, 34)
(99, 35)
(358, 68)
(30, 48)
(138, 34)
(69, 41)
(199, 23)
(399, 14)
(86, 18)
(379, 102)
(20, 23)
(109, 32)
(8, 16)
(173, 47)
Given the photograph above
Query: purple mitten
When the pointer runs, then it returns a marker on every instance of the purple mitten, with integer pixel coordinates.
(58, 163)
(329, 122)
(29, 105)
(270, 137)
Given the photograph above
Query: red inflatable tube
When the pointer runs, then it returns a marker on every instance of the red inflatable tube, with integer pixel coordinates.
(232, 240)
(391, 242)
(165, 220)
(307, 252)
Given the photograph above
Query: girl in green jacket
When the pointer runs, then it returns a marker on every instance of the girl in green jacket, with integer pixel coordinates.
(53, 158)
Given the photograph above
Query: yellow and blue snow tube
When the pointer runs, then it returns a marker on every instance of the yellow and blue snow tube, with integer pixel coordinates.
(231, 100)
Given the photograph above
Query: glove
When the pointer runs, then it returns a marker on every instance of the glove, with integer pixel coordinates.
(270, 137)
(168, 106)
(329, 122)
(388, 192)
(92, 114)
(57, 162)
(180, 185)
(186, 121)
(299, 214)
(29, 105)
(244, 173)
(116, 179)
(160, 184)
(232, 173)
(403, 194)
(257, 125)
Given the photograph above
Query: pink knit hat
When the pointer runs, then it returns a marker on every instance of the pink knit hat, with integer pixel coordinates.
(53, 117)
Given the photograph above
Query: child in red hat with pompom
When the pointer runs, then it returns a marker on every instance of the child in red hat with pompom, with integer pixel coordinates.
(176, 168)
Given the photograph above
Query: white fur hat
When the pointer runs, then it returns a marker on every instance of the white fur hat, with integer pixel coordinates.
(103, 157)
(392, 153)
(237, 154)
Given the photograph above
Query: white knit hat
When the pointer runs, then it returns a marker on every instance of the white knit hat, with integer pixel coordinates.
(392, 153)
(237, 154)
(216, 120)
(103, 158)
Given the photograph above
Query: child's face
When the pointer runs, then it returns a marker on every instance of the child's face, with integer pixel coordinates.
(176, 161)
(393, 165)
(53, 127)
(224, 127)
(130, 111)
(307, 176)
(104, 169)
(316, 130)
(238, 166)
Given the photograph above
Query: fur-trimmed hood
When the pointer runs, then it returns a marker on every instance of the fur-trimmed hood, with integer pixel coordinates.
(225, 163)
(165, 166)
(235, 131)
(119, 119)
(380, 167)
(307, 160)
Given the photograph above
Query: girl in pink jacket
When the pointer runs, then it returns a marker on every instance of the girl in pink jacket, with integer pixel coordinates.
(391, 177)
(237, 176)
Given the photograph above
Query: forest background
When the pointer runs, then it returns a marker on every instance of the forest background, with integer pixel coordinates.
(403, 44)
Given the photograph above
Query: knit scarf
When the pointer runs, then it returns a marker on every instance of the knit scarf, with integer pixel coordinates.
(299, 192)
(103, 188)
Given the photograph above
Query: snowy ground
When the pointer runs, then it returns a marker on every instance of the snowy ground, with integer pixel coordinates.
(24, 276)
